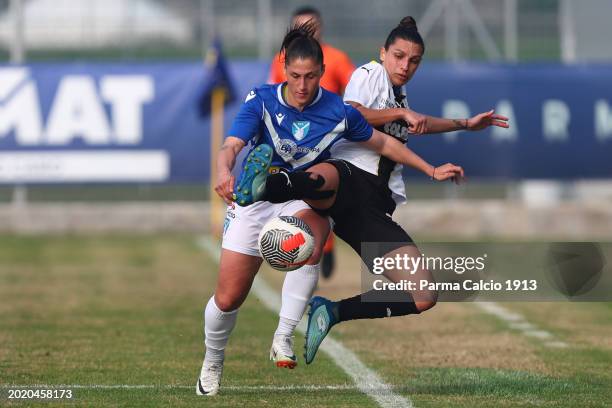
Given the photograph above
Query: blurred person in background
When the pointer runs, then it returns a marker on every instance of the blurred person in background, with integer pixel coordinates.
(338, 70)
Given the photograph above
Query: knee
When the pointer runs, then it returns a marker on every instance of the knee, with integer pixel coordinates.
(226, 302)
(427, 303)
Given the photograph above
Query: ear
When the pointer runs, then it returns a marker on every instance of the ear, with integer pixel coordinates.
(382, 53)
(322, 69)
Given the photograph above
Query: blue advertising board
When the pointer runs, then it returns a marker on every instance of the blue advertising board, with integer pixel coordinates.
(93, 122)
(128, 122)
(560, 118)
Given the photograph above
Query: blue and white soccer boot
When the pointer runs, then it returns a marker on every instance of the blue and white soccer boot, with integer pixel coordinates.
(282, 353)
(251, 184)
(321, 318)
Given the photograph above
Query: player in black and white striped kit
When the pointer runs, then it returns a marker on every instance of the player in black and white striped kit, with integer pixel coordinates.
(368, 186)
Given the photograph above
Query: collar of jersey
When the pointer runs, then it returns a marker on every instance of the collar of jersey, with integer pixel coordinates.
(279, 95)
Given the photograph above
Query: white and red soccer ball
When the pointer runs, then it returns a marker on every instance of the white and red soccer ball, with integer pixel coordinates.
(286, 243)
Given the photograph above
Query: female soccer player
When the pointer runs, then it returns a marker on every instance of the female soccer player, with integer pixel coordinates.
(369, 185)
(302, 121)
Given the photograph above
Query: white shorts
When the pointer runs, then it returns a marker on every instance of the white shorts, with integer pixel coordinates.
(243, 224)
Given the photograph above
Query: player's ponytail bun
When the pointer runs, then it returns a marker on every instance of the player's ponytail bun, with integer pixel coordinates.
(406, 30)
(408, 23)
(299, 42)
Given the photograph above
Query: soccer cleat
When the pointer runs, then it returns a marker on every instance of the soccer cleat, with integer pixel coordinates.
(252, 181)
(282, 353)
(321, 318)
(210, 379)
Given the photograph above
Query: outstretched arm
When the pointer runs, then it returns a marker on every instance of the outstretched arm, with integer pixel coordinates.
(422, 124)
(478, 122)
(226, 158)
(391, 148)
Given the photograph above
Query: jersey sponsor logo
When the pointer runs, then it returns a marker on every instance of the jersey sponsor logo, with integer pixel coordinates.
(279, 118)
(287, 149)
(250, 96)
(300, 129)
(397, 129)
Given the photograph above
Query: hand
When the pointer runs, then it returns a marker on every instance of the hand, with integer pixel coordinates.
(449, 171)
(225, 187)
(486, 119)
(417, 123)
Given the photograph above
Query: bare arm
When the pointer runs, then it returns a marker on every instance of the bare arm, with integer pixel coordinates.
(226, 159)
(378, 117)
(423, 124)
(478, 122)
(392, 149)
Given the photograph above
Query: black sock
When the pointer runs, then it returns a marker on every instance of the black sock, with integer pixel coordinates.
(356, 308)
(297, 185)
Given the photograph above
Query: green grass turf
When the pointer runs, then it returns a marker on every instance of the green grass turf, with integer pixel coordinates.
(127, 310)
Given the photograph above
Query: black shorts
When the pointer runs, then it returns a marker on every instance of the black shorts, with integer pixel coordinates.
(362, 213)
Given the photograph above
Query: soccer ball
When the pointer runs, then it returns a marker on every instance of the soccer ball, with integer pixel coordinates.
(286, 243)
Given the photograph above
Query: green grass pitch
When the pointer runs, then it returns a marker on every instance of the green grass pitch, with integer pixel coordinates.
(112, 311)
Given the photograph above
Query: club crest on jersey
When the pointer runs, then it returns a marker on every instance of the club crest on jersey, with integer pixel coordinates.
(300, 129)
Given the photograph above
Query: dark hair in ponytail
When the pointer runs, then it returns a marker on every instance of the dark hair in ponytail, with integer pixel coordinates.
(406, 30)
(299, 42)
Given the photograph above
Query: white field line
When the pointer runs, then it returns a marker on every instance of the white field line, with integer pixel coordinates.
(366, 380)
(303, 387)
(518, 322)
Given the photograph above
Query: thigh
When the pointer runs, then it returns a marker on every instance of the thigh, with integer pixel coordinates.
(236, 274)
(370, 232)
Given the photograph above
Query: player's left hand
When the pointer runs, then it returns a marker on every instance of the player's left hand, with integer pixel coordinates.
(486, 119)
(417, 123)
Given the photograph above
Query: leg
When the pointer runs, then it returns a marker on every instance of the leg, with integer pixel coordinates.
(317, 186)
(236, 274)
(374, 226)
(297, 291)
(392, 240)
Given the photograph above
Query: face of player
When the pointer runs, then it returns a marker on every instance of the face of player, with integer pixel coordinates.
(311, 19)
(401, 60)
(303, 76)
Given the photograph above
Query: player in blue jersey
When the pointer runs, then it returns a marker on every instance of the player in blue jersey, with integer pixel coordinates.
(291, 126)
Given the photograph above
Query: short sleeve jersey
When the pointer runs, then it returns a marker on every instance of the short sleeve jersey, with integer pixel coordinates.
(371, 87)
(300, 138)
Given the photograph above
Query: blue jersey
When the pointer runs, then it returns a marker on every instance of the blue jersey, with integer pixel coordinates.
(299, 139)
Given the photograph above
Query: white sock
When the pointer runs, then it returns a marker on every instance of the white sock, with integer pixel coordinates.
(218, 326)
(286, 327)
(297, 291)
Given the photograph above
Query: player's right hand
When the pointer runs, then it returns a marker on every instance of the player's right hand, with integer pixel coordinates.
(449, 171)
(225, 187)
